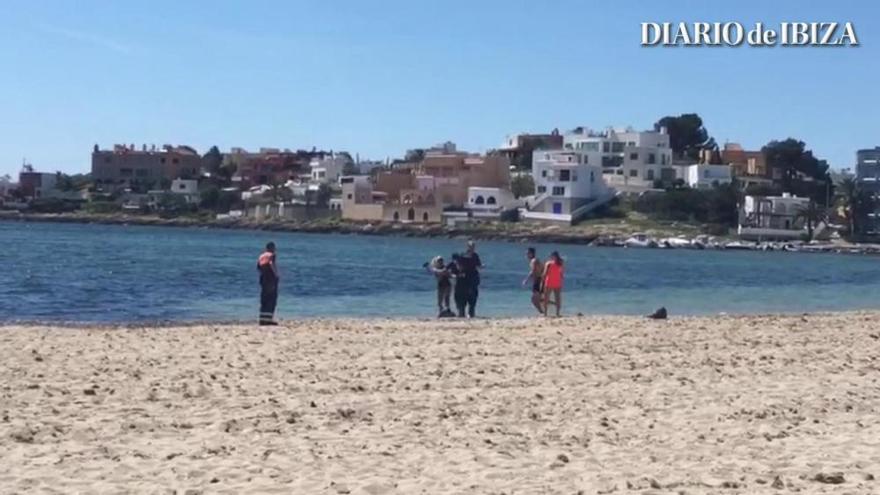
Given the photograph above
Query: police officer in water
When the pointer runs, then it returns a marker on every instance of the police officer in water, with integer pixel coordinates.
(268, 285)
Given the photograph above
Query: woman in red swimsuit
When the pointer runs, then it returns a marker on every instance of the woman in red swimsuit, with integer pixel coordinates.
(553, 275)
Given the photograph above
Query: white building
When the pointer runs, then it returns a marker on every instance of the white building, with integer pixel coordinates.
(704, 176)
(772, 217)
(329, 169)
(629, 159)
(567, 185)
(489, 199)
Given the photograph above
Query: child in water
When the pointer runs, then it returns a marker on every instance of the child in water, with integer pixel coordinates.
(444, 284)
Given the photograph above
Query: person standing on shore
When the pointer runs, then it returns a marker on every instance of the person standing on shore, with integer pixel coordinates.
(553, 275)
(471, 264)
(268, 285)
(440, 271)
(536, 275)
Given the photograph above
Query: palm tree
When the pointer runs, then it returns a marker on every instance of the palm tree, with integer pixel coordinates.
(812, 214)
(855, 203)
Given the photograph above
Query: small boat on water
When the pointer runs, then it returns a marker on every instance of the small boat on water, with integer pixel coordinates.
(676, 243)
(742, 246)
(640, 241)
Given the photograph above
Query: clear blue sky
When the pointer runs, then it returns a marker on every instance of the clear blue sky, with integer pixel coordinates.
(379, 77)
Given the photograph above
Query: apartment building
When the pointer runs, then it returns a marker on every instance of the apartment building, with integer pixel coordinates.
(124, 166)
(328, 169)
(567, 184)
(35, 185)
(868, 178)
(629, 159)
(519, 148)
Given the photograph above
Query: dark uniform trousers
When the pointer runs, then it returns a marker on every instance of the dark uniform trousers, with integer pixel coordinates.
(268, 301)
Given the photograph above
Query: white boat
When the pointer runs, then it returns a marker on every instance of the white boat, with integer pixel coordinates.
(640, 241)
(739, 245)
(676, 243)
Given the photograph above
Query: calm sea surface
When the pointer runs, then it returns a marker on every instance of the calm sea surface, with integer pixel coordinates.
(96, 273)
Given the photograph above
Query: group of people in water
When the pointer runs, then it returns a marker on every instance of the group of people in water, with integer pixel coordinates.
(458, 281)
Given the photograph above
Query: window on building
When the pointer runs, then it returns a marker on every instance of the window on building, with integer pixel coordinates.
(175, 161)
(617, 147)
(425, 216)
(650, 175)
(491, 200)
(633, 156)
(107, 159)
(633, 173)
(565, 175)
(662, 159)
(544, 173)
(162, 160)
(606, 147)
(619, 171)
(558, 191)
(126, 172)
(349, 196)
(652, 158)
(411, 214)
(142, 172)
(396, 216)
(592, 176)
(480, 200)
(607, 172)
(591, 146)
(631, 143)
(541, 189)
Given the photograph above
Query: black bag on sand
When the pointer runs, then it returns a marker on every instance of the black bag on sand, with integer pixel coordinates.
(660, 314)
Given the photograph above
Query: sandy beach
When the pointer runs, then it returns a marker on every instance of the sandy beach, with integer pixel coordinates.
(758, 404)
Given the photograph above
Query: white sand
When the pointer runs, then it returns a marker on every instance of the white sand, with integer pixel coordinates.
(601, 405)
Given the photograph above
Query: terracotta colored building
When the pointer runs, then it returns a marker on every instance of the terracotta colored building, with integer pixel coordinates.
(124, 166)
(745, 163)
(270, 165)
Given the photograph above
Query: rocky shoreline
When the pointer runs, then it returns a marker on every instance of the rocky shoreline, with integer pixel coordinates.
(482, 231)
(494, 231)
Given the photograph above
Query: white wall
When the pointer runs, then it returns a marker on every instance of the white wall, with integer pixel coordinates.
(703, 175)
(488, 198)
(584, 180)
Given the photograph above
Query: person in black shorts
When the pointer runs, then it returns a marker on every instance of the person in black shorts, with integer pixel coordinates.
(536, 275)
(268, 285)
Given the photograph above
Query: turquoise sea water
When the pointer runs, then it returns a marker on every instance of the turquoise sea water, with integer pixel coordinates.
(97, 273)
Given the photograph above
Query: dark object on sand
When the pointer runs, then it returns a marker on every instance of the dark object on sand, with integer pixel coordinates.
(446, 314)
(660, 314)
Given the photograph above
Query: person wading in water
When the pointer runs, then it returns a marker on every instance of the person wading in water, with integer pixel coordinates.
(268, 285)
(536, 275)
(553, 276)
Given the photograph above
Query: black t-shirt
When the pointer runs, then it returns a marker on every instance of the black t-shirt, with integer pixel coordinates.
(469, 263)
